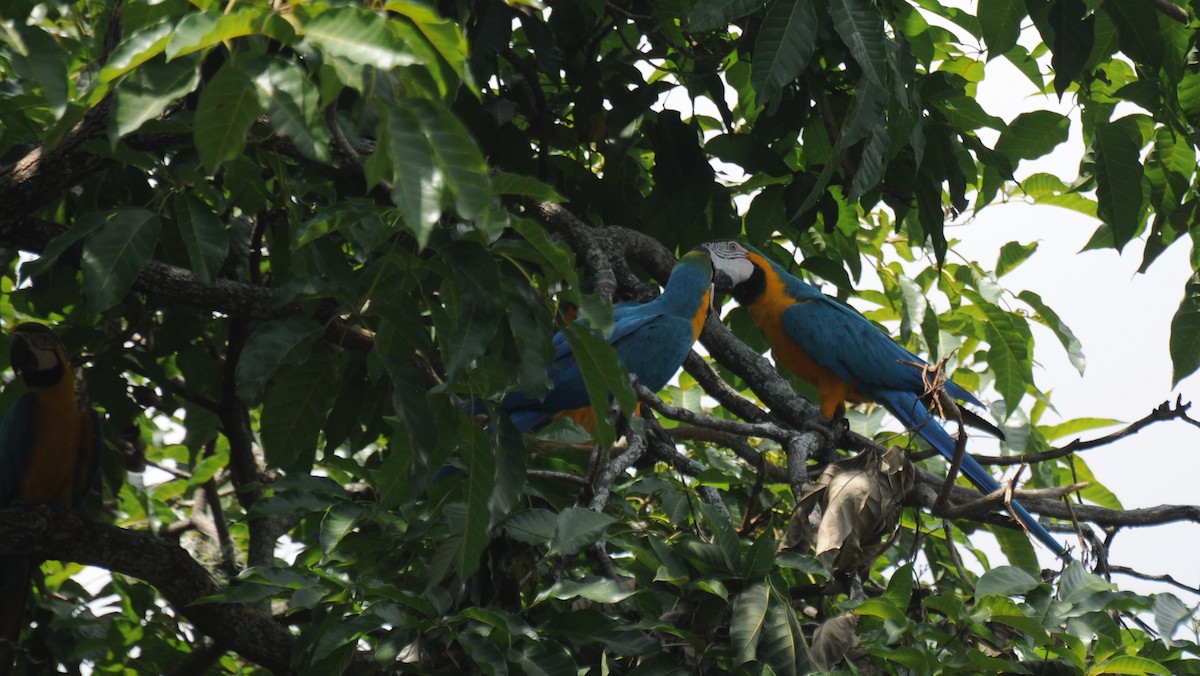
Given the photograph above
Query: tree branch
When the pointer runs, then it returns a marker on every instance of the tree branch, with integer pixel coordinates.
(48, 532)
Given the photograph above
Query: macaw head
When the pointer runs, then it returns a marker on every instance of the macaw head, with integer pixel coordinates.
(36, 355)
(734, 267)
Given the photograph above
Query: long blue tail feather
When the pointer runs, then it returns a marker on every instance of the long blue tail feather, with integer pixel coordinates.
(910, 411)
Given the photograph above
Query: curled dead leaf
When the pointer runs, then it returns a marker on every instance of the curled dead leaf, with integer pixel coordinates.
(833, 639)
(859, 500)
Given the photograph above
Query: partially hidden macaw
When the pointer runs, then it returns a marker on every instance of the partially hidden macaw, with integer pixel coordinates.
(846, 358)
(49, 453)
(651, 340)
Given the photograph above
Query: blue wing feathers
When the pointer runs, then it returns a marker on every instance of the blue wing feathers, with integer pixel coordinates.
(16, 440)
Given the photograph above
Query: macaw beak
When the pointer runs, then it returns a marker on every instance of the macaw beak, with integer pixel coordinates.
(722, 282)
(22, 356)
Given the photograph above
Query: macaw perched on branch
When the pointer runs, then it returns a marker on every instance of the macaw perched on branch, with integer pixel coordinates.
(651, 340)
(49, 453)
(843, 355)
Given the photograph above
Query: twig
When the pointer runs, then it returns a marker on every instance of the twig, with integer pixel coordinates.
(1167, 579)
(1162, 413)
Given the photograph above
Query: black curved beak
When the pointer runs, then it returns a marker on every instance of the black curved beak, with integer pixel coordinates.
(722, 282)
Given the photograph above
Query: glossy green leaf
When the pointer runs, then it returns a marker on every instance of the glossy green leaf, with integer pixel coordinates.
(338, 522)
(418, 181)
(136, 49)
(860, 26)
(1119, 174)
(532, 526)
(294, 412)
(35, 55)
(203, 235)
(147, 92)
(1009, 353)
(457, 155)
(358, 35)
(709, 15)
(1000, 21)
(291, 103)
(1051, 320)
(202, 30)
(228, 106)
(480, 311)
(114, 254)
(1006, 581)
(1033, 134)
(1185, 333)
(785, 43)
(1128, 664)
(578, 528)
(273, 344)
(1012, 255)
(1169, 613)
(749, 620)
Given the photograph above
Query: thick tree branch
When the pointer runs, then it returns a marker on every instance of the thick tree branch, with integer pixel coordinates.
(52, 533)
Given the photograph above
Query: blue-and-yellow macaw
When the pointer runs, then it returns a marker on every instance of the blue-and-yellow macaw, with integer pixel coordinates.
(651, 340)
(832, 347)
(49, 453)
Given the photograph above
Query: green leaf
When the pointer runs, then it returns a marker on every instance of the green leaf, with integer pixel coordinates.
(577, 528)
(291, 102)
(337, 523)
(147, 92)
(782, 645)
(442, 33)
(1185, 333)
(226, 110)
(1128, 664)
(477, 279)
(603, 375)
(1051, 320)
(1169, 613)
(1012, 255)
(114, 254)
(785, 44)
(532, 526)
(860, 26)
(1119, 174)
(1075, 426)
(710, 15)
(457, 155)
(748, 621)
(358, 35)
(1009, 355)
(1137, 32)
(203, 236)
(273, 344)
(138, 48)
(524, 186)
(201, 30)
(1077, 585)
(759, 559)
(419, 181)
(595, 589)
(84, 225)
(294, 412)
(476, 447)
(1006, 581)
(1000, 21)
(1033, 134)
(1074, 35)
(35, 55)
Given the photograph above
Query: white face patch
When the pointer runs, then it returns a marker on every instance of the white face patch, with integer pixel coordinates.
(730, 258)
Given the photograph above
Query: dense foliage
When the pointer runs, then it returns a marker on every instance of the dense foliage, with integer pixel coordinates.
(300, 251)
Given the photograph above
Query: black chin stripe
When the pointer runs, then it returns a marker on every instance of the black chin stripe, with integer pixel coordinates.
(750, 290)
